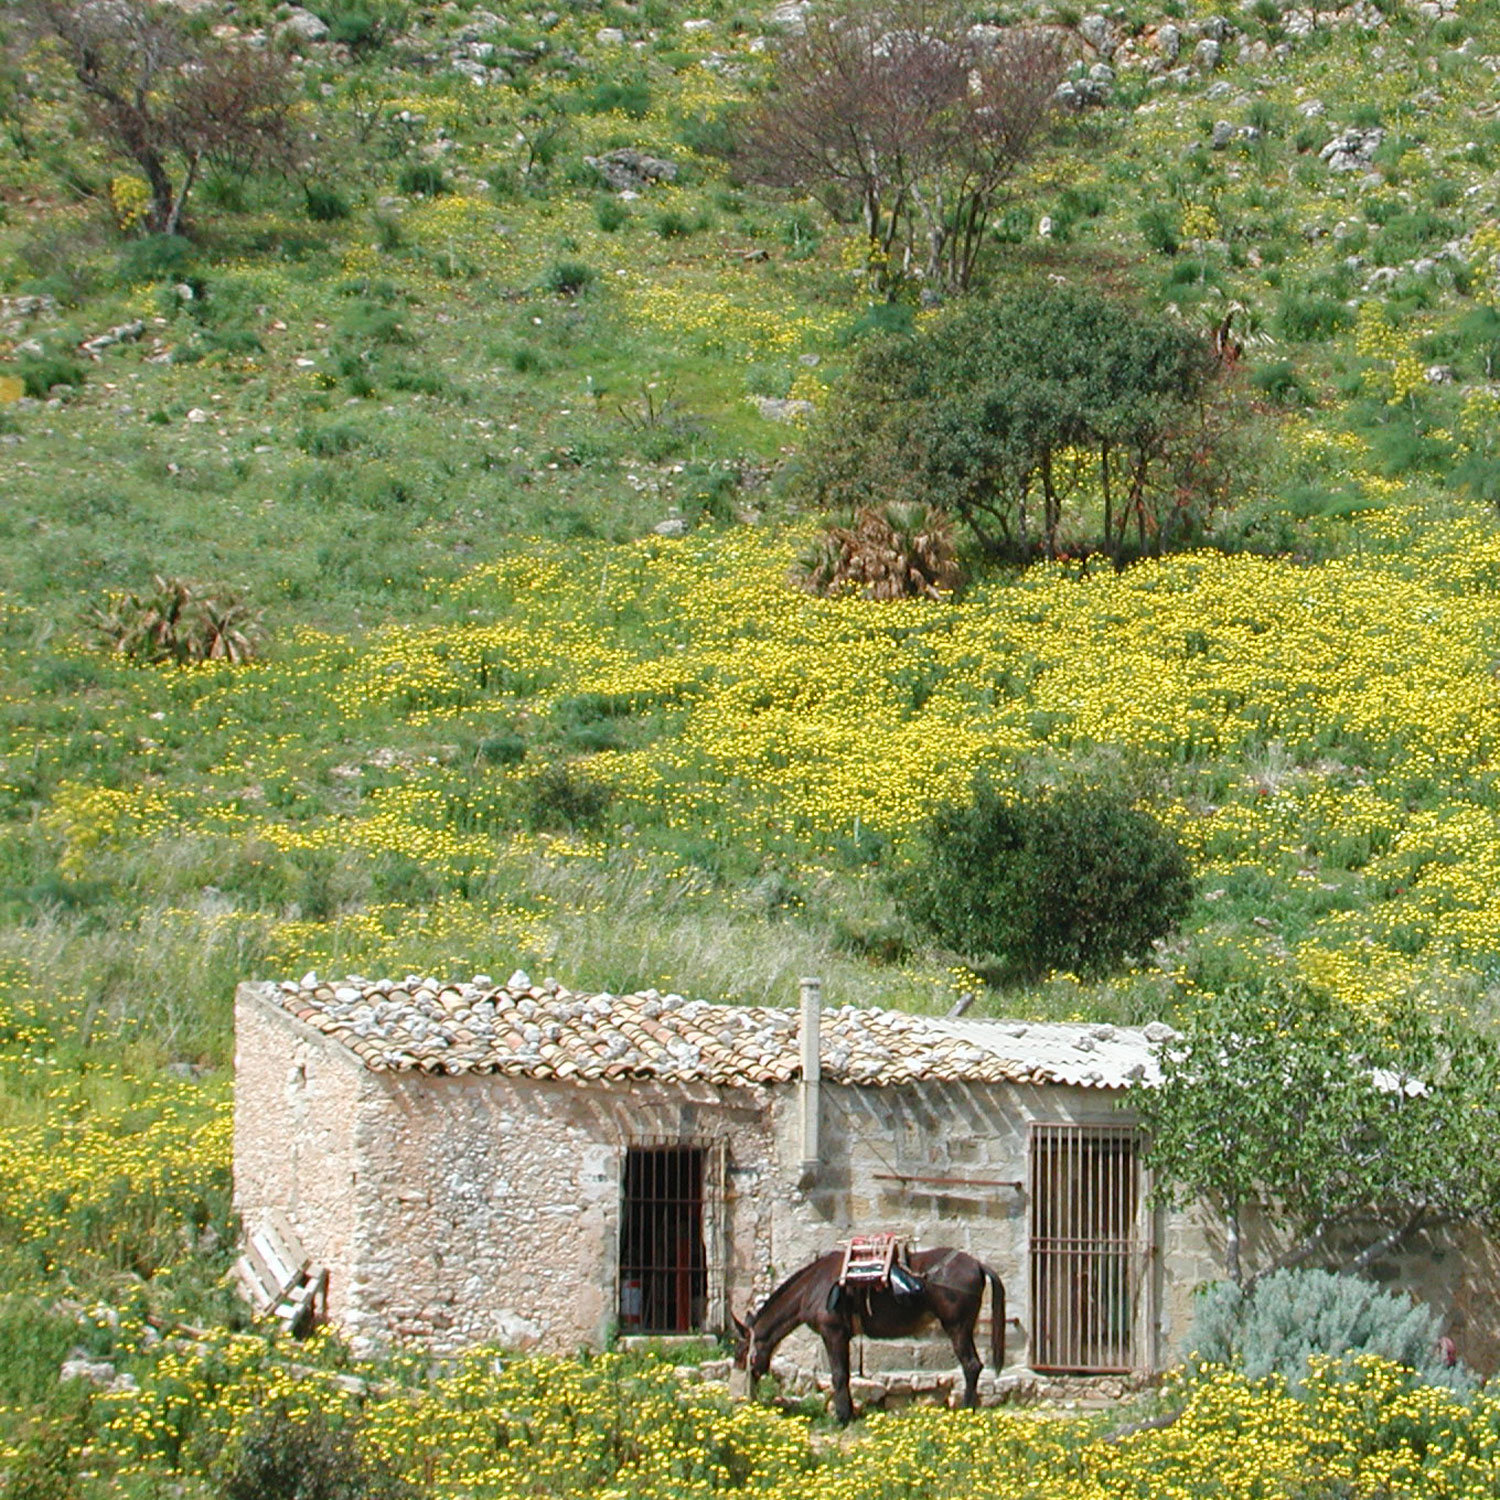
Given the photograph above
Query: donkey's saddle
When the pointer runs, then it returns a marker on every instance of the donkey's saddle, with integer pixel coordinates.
(875, 1263)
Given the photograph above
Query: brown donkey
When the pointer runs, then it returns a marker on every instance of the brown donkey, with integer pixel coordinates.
(950, 1291)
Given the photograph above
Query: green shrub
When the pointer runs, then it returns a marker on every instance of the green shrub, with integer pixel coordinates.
(292, 1454)
(671, 224)
(1279, 382)
(501, 750)
(225, 191)
(325, 204)
(559, 796)
(362, 25)
(422, 179)
(35, 1339)
(1161, 228)
(40, 372)
(1311, 318)
(566, 278)
(626, 96)
(330, 441)
(609, 213)
(1293, 1314)
(1071, 879)
(158, 257)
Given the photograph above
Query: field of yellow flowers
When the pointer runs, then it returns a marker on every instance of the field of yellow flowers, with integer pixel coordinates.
(627, 1427)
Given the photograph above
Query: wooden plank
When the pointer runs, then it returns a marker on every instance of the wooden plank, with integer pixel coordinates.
(263, 1277)
(250, 1283)
(281, 1227)
(273, 1256)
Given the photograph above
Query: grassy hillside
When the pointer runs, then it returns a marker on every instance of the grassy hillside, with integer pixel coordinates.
(501, 720)
(494, 450)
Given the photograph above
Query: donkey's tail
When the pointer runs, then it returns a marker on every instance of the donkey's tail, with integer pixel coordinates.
(997, 1319)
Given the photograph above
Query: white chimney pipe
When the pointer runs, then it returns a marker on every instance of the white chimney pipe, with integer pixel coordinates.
(812, 1073)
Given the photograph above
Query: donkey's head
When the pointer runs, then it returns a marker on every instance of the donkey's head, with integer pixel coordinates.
(750, 1353)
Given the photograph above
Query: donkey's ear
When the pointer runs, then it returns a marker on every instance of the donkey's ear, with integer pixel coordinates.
(743, 1329)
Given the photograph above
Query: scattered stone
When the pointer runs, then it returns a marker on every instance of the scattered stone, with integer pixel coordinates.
(1097, 32)
(673, 526)
(1206, 55)
(628, 170)
(123, 333)
(780, 409)
(698, 23)
(1168, 42)
(1439, 375)
(1081, 93)
(1353, 149)
(304, 25)
(610, 36)
(1223, 134)
(98, 1372)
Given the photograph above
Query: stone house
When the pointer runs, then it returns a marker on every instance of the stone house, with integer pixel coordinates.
(525, 1165)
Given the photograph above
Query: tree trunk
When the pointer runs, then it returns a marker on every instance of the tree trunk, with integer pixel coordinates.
(163, 211)
(174, 218)
(1232, 1267)
(1371, 1253)
(1109, 499)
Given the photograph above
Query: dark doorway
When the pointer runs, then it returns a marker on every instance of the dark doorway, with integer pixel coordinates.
(663, 1269)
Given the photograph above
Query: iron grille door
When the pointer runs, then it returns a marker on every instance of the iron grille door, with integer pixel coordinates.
(1088, 1253)
(663, 1268)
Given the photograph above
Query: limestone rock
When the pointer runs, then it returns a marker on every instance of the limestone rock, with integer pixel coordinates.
(780, 409)
(304, 25)
(1097, 32)
(1352, 150)
(98, 1372)
(628, 170)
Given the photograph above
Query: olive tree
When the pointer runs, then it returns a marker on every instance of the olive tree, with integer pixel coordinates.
(902, 109)
(1054, 419)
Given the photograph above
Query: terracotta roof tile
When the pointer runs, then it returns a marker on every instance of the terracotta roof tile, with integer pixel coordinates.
(547, 1031)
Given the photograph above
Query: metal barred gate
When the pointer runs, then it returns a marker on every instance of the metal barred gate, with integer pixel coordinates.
(1088, 1249)
(673, 1250)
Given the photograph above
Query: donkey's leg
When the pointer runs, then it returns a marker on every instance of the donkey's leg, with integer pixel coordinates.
(962, 1335)
(836, 1342)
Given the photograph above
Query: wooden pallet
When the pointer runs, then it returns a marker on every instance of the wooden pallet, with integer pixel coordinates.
(278, 1277)
(868, 1259)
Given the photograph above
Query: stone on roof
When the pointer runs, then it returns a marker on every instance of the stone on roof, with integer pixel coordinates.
(545, 1030)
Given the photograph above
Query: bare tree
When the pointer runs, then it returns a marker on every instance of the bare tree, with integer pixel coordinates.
(169, 101)
(904, 109)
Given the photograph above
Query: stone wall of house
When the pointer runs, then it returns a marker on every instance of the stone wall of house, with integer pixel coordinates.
(296, 1105)
(489, 1208)
(975, 1136)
